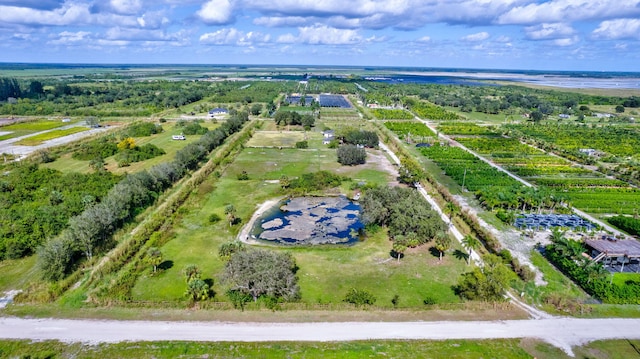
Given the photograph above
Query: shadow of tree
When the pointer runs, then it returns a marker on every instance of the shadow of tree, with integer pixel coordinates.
(434, 252)
(458, 254)
(165, 265)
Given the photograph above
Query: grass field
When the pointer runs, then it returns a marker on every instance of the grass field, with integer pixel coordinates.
(280, 138)
(17, 273)
(42, 137)
(508, 349)
(30, 127)
(326, 273)
(163, 140)
(454, 349)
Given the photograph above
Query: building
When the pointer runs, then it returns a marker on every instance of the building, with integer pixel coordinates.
(178, 137)
(327, 136)
(218, 111)
(615, 255)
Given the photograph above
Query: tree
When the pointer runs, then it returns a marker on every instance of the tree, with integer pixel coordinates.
(197, 290)
(400, 245)
(619, 109)
(262, 272)
(127, 144)
(536, 116)
(191, 272)
(443, 243)
(472, 243)
(350, 155)
(230, 211)
(256, 109)
(226, 250)
(450, 208)
(154, 258)
(284, 181)
(54, 258)
(487, 282)
(97, 164)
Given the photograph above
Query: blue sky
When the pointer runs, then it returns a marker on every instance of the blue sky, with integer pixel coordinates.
(600, 35)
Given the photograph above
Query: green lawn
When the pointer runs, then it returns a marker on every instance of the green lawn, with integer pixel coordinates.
(326, 272)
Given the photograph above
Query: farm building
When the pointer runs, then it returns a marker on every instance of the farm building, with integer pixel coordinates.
(218, 111)
(615, 255)
(327, 136)
(546, 221)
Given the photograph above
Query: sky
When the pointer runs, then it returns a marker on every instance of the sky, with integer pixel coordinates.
(574, 35)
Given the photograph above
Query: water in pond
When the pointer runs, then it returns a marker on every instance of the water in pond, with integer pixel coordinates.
(310, 220)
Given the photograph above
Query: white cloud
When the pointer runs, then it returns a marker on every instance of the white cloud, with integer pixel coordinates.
(216, 12)
(232, 36)
(424, 39)
(70, 38)
(322, 35)
(549, 31)
(126, 7)
(567, 41)
(280, 21)
(618, 29)
(569, 11)
(480, 36)
(68, 14)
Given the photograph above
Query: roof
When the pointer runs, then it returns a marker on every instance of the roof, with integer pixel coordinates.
(629, 248)
(219, 110)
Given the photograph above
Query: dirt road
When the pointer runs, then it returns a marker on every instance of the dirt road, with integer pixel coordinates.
(561, 332)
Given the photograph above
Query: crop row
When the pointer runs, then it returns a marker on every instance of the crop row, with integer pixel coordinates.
(605, 200)
(619, 141)
(391, 114)
(464, 128)
(432, 112)
(409, 128)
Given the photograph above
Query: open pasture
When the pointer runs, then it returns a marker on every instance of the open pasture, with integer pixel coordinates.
(280, 138)
(326, 272)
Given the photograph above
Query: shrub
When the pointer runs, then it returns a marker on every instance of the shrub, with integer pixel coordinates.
(302, 144)
(243, 176)
(214, 218)
(359, 297)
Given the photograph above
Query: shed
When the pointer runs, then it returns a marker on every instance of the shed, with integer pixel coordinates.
(616, 253)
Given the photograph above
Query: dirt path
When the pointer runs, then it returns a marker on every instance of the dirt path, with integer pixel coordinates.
(244, 235)
(561, 332)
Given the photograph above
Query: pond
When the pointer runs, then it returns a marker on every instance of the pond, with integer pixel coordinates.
(310, 221)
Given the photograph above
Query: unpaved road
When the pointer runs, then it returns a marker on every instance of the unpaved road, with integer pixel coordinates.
(561, 332)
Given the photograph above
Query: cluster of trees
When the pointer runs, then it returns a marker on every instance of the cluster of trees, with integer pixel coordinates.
(261, 273)
(630, 225)
(143, 129)
(9, 88)
(310, 182)
(91, 230)
(36, 203)
(566, 255)
(133, 153)
(285, 118)
(410, 220)
(357, 137)
(191, 128)
(351, 155)
(488, 282)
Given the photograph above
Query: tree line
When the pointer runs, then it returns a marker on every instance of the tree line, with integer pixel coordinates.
(91, 230)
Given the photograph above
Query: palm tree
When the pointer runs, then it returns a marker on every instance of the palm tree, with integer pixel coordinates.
(472, 243)
(451, 209)
(443, 242)
(557, 235)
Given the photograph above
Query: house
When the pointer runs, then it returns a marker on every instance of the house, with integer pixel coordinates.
(327, 136)
(588, 151)
(66, 120)
(178, 137)
(218, 111)
(563, 115)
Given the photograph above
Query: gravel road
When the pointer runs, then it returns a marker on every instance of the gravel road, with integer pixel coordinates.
(561, 332)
